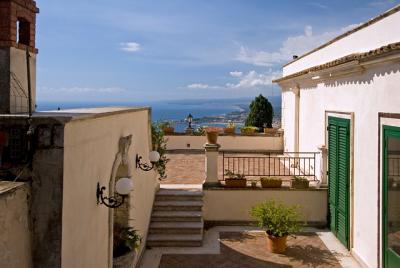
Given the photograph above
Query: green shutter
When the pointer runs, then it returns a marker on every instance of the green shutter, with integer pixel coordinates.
(338, 165)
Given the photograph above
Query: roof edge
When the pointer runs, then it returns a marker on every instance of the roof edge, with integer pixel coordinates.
(364, 56)
(343, 35)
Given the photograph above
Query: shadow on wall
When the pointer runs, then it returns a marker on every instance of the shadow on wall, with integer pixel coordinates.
(357, 77)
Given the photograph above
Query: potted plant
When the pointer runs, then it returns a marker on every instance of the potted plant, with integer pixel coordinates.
(167, 127)
(125, 243)
(235, 180)
(269, 130)
(249, 130)
(279, 221)
(300, 182)
(230, 128)
(212, 134)
(271, 182)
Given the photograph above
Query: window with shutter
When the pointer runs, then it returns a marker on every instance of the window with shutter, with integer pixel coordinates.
(338, 168)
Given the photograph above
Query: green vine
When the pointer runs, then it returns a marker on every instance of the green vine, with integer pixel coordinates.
(159, 143)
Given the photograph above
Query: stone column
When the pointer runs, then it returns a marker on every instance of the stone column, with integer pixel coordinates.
(323, 165)
(211, 166)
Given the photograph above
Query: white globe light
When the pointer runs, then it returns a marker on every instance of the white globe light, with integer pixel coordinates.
(124, 186)
(154, 156)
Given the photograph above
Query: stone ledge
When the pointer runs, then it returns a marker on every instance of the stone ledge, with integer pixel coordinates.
(216, 187)
(210, 224)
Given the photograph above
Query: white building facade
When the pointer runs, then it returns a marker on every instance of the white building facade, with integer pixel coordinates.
(345, 95)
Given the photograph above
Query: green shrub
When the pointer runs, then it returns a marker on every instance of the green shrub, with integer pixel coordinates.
(299, 179)
(249, 130)
(261, 113)
(232, 175)
(159, 144)
(278, 219)
(125, 239)
(270, 179)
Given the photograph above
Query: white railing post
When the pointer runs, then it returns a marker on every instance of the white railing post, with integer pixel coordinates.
(323, 165)
(211, 164)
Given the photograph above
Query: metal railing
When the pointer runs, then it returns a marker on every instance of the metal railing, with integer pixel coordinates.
(288, 164)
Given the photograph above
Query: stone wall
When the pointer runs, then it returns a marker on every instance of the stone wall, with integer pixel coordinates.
(15, 235)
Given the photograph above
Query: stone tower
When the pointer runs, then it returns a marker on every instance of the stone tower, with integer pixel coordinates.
(17, 51)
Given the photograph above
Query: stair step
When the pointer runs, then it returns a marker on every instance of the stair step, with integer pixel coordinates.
(174, 240)
(176, 195)
(176, 216)
(176, 227)
(178, 205)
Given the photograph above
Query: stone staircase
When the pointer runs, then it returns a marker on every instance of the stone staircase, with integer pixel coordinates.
(177, 219)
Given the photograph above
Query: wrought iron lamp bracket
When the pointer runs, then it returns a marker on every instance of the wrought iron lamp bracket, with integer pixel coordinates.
(143, 166)
(110, 201)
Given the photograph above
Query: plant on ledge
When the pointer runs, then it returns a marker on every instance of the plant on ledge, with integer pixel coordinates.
(167, 127)
(126, 241)
(230, 128)
(248, 130)
(279, 221)
(235, 180)
(271, 182)
(212, 134)
(159, 144)
(300, 182)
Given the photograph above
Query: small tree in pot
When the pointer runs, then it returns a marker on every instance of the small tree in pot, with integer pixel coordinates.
(279, 221)
(126, 242)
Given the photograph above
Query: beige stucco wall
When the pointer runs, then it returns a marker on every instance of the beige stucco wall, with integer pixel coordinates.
(90, 147)
(19, 76)
(15, 235)
(234, 205)
(245, 143)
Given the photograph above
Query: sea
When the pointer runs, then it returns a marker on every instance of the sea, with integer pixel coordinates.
(171, 110)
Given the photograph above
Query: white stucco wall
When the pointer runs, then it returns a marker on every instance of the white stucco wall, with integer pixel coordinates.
(376, 35)
(222, 205)
(365, 95)
(244, 143)
(90, 147)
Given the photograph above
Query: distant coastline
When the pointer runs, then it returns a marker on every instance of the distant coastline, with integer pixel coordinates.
(205, 112)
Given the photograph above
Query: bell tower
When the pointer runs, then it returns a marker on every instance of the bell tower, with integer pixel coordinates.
(17, 56)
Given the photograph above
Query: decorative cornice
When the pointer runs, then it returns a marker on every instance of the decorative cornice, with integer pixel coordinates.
(356, 29)
(355, 57)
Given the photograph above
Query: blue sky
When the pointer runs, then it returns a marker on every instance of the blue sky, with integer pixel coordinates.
(141, 51)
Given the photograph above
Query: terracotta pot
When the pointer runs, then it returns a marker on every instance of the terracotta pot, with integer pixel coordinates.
(276, 244)
(212, 137)
(269, 130)
(124, 261)
(271, 184)
(300, 184)
(229, 130)
(235, 183)
(169, 130)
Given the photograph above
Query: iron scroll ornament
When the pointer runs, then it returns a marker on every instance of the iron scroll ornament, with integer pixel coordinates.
(143, 166)
(111, 201)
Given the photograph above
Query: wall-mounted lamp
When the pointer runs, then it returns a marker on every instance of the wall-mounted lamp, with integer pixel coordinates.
(122, 188)
(154, 157)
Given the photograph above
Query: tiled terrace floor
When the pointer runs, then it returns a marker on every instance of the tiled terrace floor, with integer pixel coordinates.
(189, 167)
(234, 247)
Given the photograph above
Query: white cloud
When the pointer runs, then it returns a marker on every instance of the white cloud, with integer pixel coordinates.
(130, 47)
(236, 73)
(198, 86)
(294, 45)
(253, 79)
(250, 80)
